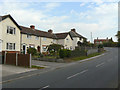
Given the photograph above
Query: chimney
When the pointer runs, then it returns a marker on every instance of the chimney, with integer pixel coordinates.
(50, 31)
(32, 27)
(73, 30)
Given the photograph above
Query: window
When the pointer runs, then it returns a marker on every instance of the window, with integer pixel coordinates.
(44, 48)
(11, 30)
(67, 40)
(10, 46)
(54, 41)
(28, 36)
(44, 38)
(80, 38)
(37, 38)
(31, 46)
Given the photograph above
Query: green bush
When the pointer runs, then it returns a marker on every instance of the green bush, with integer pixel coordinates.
(100, 46)
(32, 51)
(64, 53)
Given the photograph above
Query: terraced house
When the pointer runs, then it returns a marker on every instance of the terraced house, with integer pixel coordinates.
(31, 37)
(16, 38)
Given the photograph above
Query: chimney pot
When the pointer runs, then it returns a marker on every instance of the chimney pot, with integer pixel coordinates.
(32, 27)
(50, 31)
(73, 30)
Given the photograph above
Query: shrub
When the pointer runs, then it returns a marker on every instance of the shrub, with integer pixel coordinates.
(32, 51)
(100, 46)
(64, 53)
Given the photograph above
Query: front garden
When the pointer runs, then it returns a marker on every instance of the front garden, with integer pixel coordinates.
(57, 53)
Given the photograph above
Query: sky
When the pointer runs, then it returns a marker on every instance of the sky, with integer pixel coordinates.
(97, 16)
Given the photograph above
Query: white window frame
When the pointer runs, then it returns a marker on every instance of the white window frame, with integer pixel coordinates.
(44, 38)
(67, 40)
(44, 48)
(37, 38)
(11, 46)
(11, 30)
(29, 36)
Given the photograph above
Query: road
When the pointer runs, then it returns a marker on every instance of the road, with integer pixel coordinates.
(101, 72)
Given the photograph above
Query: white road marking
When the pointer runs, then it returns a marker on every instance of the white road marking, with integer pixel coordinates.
(46, 87)
(99, 64)
(77, 74)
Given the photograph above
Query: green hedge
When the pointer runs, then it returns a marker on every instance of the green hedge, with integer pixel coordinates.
(64, 53)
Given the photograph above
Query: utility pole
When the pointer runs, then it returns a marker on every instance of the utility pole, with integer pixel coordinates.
(91, 38)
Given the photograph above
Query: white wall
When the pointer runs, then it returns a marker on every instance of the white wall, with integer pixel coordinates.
(0, 45)
(8, 38)
(74, 43)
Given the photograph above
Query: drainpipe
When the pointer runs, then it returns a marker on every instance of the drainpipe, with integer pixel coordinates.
(20, 42)
(40, 46)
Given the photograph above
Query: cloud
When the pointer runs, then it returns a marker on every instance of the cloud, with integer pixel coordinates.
(82, 4)
(98, 19)
(51, 6)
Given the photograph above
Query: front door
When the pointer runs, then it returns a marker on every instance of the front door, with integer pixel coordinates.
(24, 49)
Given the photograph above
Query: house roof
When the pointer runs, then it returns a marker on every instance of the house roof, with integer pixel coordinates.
(26, 30)
(6, 16)
(101, 40)
(75, 34)
(61, 35)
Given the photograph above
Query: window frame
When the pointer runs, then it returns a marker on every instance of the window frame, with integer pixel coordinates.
(11, 46)
(11, 30)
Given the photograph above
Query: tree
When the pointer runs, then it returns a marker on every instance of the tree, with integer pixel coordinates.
(32, 51)
(118, 36)
(54, 48)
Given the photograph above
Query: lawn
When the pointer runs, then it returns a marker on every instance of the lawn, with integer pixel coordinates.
(85, 57)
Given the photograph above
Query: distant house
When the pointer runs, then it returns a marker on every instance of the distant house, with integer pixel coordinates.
(64, 39)
(9, 34)
(76, 37)
(69, 39)
(100, 41)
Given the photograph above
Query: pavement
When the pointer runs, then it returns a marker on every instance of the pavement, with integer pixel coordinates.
(11, 70)
(101, 72)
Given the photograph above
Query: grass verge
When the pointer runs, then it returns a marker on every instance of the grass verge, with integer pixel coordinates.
(37, 67)
(85, 57)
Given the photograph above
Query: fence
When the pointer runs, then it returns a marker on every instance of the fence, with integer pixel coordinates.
(17, 59)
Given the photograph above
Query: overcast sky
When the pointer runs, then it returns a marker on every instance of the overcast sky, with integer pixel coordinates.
(98, 17)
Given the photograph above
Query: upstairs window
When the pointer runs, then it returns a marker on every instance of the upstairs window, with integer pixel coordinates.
(28, 36)
(67, 40)
(37, 38)
(44, 38)
(11, 30)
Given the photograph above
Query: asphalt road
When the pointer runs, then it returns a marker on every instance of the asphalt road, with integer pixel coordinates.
(101, 72)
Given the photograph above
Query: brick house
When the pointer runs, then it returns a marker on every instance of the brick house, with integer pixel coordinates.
(100, 41)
